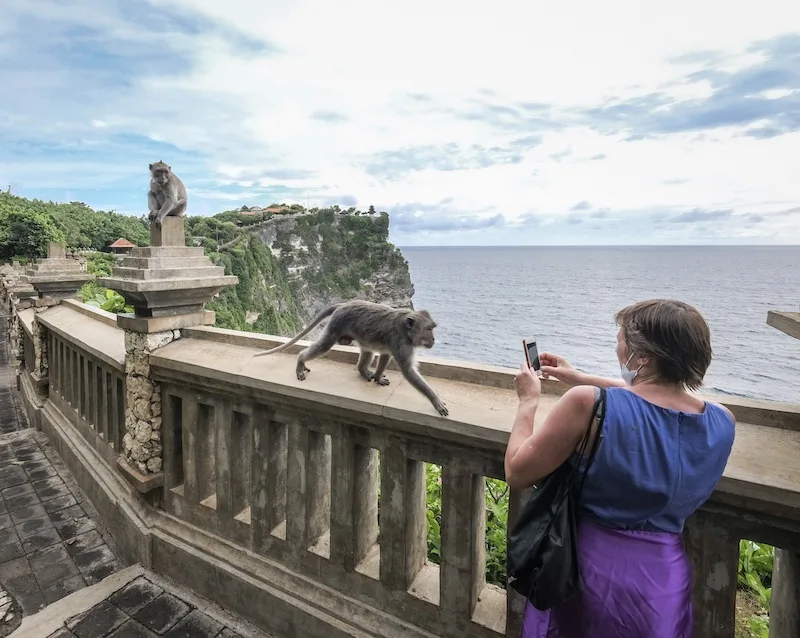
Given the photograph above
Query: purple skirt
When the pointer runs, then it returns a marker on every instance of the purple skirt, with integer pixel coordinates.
(636, 585)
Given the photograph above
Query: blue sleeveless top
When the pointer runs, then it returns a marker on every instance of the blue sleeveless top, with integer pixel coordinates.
(654, 466)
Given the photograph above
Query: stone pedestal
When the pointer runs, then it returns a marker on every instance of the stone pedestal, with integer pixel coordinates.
(57, 276)
(168, 284)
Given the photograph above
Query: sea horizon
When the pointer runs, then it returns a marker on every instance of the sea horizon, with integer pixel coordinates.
(485, 299)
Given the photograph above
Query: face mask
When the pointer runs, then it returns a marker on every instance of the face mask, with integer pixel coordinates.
(628, 375)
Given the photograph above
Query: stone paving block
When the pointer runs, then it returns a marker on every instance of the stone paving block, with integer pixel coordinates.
(67, 514)
(99, 572)
(132, 629)
(15, 568)
(42, 472)
(93, 557)
(82, 542)
(62, 633)
(54, 491)
(22, 502)
(32, 460)
(228, 633)
(59, 503)
(40, 540)
(135, 595)
(11, 550)
(9, 536)
(33, 526)
(161, 614)
(63, 588)
(11, 476)
(17, 490)
(31, 603)
(53, 481)
(42, 558)
(97, 622)
(71, 528)
(195, 625)
(56, 572)
(28, 513)
(5, 521)
(3, 508)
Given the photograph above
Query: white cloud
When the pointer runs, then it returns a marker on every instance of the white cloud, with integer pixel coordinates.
(236, 113)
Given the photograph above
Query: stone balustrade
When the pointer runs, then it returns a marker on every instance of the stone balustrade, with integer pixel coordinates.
(301, 505)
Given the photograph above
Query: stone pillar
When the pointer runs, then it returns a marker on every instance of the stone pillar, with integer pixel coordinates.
(57, 277)
(141, 445)
(54, 278)
(168, 284)
(785, 603)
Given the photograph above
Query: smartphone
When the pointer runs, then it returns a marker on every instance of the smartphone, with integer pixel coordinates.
(531, 353)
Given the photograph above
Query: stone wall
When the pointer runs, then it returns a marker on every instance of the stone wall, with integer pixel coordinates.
(142, 441)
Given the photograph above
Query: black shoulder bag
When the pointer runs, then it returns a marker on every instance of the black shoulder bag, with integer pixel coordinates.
(542, 547)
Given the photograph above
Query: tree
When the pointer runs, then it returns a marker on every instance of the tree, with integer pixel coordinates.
(26, 233)
(371, 210)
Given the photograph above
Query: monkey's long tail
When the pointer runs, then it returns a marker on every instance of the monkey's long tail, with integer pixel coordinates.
(325, 312)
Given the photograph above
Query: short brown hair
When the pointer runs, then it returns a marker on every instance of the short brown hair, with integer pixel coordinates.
(673, 334)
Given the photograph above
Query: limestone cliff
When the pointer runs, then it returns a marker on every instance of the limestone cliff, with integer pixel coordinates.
(292, 265)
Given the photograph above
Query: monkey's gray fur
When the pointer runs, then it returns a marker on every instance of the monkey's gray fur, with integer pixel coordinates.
(378, 329)
(167, 194)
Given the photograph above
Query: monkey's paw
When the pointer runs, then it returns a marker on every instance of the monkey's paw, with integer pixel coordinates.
(301, 373)
(441, 408)
(382, 381)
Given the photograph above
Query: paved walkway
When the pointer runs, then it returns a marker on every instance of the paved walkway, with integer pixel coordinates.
(12, 416)
(60, 573)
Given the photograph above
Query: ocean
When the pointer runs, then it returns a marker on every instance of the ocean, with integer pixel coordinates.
(487, 299)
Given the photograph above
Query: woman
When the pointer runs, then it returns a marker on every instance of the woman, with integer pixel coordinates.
(661, 454)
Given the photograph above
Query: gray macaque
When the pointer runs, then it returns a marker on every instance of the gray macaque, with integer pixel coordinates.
(378, 329)
(167, 194)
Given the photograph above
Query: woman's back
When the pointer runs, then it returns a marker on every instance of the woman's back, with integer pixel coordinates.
(655, 466)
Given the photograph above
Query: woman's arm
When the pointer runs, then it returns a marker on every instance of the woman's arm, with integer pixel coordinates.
(560, 369)
(601, 382)
(533, 453)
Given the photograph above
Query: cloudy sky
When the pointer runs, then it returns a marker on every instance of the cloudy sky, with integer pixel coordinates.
(512, 122)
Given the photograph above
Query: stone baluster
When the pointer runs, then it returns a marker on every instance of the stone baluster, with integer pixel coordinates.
(167, 283)
(713, 553)
(403, 524)
(269, 471)
(463, 529)
(515, 602)
(354, 502)
(54, 278)
(308, 491)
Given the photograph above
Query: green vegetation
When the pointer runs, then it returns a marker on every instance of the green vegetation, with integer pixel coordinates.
(27, 225)
(92, 294)
(321, 254)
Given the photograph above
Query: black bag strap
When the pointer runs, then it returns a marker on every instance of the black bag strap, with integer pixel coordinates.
(570, 478)
(598, 407)
(598, 411)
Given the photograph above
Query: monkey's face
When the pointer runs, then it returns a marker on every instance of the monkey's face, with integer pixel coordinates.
(161, 175)
(421, 329)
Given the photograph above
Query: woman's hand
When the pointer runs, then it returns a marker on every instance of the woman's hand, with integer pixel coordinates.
(527, 384)
(560, 369)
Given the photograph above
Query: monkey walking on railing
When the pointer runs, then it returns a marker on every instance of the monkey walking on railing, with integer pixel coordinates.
(167, 194)
(378, 329)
